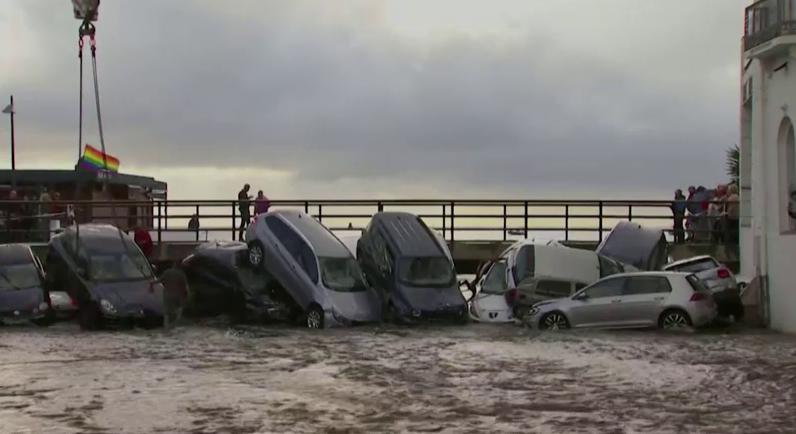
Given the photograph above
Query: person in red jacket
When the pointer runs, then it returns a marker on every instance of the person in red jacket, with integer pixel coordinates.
(144, 242)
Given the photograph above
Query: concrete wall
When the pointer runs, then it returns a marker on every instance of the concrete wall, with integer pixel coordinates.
(774, 98)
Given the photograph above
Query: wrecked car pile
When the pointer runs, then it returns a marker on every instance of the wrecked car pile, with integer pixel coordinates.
(292, 268)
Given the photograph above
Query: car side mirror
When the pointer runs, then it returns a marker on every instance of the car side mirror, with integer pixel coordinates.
(581, 297)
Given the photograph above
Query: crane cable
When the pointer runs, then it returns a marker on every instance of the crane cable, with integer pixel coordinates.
(88, 29)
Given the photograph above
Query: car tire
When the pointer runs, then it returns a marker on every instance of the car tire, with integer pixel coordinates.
(554, 321)
(314, 318)
(256, 254)
(673, 319)
(89, 316)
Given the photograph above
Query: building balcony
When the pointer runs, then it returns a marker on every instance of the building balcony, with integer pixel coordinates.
(769, 25)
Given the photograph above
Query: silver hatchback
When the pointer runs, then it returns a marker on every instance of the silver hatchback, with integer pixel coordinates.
(633, 300)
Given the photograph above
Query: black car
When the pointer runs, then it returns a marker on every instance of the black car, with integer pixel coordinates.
(222, 281)
(411, 267)
(107, 276)
(22, 294)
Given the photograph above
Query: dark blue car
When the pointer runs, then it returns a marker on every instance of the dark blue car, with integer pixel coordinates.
(412, 268)
(22, 295)
(106, 274)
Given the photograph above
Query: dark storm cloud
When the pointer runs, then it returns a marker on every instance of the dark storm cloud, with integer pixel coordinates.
(276, 85)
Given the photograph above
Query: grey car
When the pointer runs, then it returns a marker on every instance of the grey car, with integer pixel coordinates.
(633, 300)
(313, 267)
(718, 279)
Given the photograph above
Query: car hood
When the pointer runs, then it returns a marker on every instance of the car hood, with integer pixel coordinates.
(21, 299)
(360, 306)
(131, 297)
(432, 299)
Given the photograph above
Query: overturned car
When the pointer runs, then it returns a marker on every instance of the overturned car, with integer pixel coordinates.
(527, 273)
(411, 267)
(22, 295)
(105, 273)
(222, 281)
(313, 267)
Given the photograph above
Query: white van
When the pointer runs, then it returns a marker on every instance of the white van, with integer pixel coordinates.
(527, 273)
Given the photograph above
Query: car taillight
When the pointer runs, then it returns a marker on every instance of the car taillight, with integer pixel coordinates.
(73, 301)
(724, 273)
(512, 295)
(699, 296)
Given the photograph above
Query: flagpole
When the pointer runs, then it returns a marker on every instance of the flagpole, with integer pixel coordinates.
(13, 148)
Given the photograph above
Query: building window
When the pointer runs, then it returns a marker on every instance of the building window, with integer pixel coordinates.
(787, 159)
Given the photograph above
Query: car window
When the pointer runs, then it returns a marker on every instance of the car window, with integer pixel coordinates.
(553, 288)
(696, 266)
(647, 285)
(295, 246)
(19, 276)
(525, 266)
(495, 280)
(609, 267)
(382, 257)
(579, 286)
(606, 288)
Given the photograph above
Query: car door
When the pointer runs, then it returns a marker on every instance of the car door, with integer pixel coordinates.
(597, 305)
(281, 263)
(642, 300)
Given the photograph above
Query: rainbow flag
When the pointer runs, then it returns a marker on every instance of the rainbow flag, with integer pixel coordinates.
(93, 160)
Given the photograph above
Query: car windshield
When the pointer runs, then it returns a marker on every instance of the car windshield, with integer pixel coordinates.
(495, 281)
(342, 274)
(18, 276)
(428, 271)
(104, 267)
(697, 266)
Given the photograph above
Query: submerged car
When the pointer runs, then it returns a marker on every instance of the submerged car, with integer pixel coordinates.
(22, 294)
(527, 273)
(718, 279)
(634, 300)
(632, 244)
(313, 267)
(411, 267)
(106, 274)
(222, 281)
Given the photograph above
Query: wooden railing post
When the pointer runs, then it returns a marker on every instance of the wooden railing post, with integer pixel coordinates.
(453, 225)
(600, 224)
(197, 219)
(306, 207)
(526, 220)
(233, 221)
(630, 213)
(160, 217)
(444, 221)
(320, 213)
(566, 222)
(505, 222)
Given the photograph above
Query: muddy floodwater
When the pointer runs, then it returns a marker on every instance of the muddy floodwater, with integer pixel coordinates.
(477, 378)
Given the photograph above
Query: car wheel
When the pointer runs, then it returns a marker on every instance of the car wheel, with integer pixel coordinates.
(674, 319)
(554, 321)
(315, 317)
(89, 316)
(256, 254)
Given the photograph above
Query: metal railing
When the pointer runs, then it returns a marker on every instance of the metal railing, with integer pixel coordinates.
(767, 19)
(168, 220)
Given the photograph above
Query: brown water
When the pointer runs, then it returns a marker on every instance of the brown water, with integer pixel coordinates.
(479, 378)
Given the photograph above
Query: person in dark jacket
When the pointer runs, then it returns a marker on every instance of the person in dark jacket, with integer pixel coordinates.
(244, 206)
(678, 210)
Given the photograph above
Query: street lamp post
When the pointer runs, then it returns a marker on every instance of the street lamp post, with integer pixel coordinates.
(10, 111)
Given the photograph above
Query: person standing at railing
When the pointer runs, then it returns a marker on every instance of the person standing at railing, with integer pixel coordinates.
(678, 210)
(261, 204)
(716, 213)
(244, 206)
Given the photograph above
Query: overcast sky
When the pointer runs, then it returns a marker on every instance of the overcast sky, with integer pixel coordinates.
(404, 98)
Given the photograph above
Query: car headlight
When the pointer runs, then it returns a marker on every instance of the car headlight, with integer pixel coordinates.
(107, 307)
(532, 311)
(43, 306)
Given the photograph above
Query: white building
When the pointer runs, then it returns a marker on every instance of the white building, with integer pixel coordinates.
(768, 157)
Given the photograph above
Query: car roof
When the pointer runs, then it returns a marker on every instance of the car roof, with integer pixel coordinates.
(226, 252)
(322, 240)
(15, 254)
(410, 236)
(631, 243)
(688, 261)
